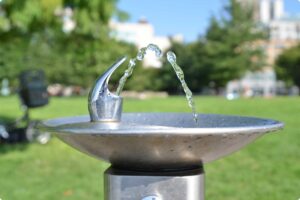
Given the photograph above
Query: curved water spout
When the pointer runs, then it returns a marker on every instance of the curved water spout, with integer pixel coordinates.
(102, 104)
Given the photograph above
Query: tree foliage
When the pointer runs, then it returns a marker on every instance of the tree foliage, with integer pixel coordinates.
(230, 45)
(225, 53)
(195, 72)
(31, 36)
(288, 65)
(27, 16)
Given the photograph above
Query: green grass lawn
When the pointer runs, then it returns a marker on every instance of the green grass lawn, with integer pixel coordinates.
(268, 169)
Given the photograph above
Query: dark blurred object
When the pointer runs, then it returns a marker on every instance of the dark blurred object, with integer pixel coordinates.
(16, 135)
(33, 94)
(33, 88)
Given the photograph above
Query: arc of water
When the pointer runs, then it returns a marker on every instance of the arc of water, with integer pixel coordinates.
(172, 60)
(132, 63)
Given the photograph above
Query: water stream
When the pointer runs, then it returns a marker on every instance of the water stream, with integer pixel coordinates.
(132, 63)
(180, 75)
(172, 60)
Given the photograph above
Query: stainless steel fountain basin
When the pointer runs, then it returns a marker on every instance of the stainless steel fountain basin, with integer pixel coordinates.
(160, 141)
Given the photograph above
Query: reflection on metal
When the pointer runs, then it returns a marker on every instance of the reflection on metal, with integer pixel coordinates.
(154, 156)
(102, 104)
(151, 198)
(161, 140)
(3, 132)
(167, 185)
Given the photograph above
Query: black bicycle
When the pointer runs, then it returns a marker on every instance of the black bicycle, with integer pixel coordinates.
(32, 94)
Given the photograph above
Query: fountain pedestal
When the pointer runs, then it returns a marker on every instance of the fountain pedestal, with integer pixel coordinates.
(146, 148)
(165, 185)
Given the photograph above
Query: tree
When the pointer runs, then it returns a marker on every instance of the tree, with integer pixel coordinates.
(31, 36)
(27, 16)
(190, 59)
(230, 44)
(226, 52)
(21, 24)
(288, 66)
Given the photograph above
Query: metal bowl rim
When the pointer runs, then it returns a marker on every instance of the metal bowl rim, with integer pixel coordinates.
(272, 125)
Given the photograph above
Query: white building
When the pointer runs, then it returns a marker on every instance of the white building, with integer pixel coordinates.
(261, 83)
(141, 34)
(284, 32)
(270, 10)
(285, 29)
(265, 10)
(272, 15)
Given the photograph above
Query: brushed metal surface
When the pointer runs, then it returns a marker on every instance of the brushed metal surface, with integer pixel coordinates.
(103, 105)
(158, 186)
(158, 141)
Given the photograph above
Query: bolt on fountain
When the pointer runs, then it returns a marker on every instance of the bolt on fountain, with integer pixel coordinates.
(154, 156)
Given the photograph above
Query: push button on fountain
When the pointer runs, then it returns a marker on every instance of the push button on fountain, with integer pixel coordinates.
(151, 198)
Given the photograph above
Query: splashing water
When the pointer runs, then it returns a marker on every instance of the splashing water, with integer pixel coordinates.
(188, 93)
(172, 60)
(132, 63)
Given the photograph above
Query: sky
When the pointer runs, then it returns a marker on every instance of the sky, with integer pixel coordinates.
(187, 17)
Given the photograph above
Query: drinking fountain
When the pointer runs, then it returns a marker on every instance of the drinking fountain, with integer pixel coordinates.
(154, 156)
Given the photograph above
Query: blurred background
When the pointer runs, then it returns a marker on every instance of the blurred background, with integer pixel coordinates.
(239, 57)
(233, 48)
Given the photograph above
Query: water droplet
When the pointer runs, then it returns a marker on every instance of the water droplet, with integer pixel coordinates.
(171, 57)
(141, 54)
(132, 62)
(155, 49)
